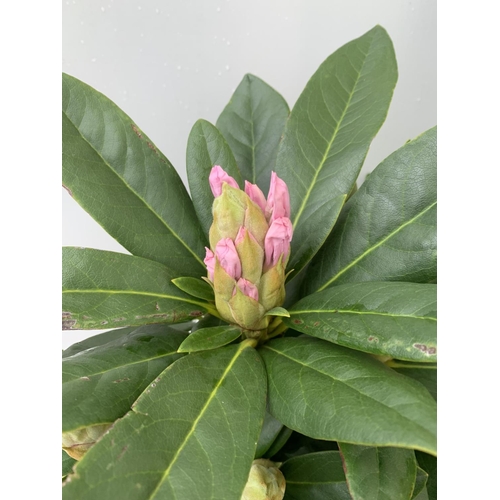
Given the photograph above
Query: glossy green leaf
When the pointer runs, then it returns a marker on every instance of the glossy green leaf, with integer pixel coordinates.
(96, 340)
(326, 391)
(210, 338)
(101, 383)
(429, 464)
(114, 171)
(375, 473)
(207, 147)
(253, 123)
(207, 321)
(107, 289)
(387, 230)
(195, 287)
(383, 318)
(193, 435)
(328, 135)
(420, 483)
(268, 434)
(425, 374)
(316, 476)
(67, 464)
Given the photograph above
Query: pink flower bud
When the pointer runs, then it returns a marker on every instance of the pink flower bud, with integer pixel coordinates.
(210, 263)
(277, 242)
(256, 195)
(278, 199)
(228, 257)
(248, 288)
(217, 177)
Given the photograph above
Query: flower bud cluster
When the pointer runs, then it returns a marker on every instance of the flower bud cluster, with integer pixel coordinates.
(249, 248)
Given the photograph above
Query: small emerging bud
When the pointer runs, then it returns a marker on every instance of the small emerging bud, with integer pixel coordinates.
(210, 263)
(278, 199)
(248, 288)
(217, 177)
(265, 482)
(228, 257)
(256, 195)
(277, 241)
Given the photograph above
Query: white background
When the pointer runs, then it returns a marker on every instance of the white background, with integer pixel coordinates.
(169, 63)
(468, 186)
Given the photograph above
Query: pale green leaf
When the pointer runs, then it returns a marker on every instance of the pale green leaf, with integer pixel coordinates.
(210, 338)
(195, 287)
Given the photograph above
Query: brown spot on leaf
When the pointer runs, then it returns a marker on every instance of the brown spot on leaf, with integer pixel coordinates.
(68, 190)
(122, 318)
(298, 321)
(68, 324)
(124, 449)
(195, 313)
(120, 380)
(316, 323)
(371, 338)
(157, 307)
(151, 146)
(66, 314)
(84, 378)
(136, 130)
(104, 322)
(151, 316)
(425, 349)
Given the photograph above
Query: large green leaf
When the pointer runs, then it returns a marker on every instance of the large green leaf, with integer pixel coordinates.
(379, 473)
(326, 391)
(328, 135)
(101, 383)
(394, 319)
(107, 288)
(191, 435)
(114, 171)
(316, 476)
(387, 230)
(252, 124)
(206, 147)
(425, 374)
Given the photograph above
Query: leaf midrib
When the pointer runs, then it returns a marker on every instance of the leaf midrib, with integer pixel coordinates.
(327, 149)
(195, 423)
(374, 247)
(135, 192)
(346, 311)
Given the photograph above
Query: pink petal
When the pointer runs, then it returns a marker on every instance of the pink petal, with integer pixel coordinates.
(256, 195)
(228, 257)
(248, 288)
(278, 240)
(278, 199)
(217, 177)
(210, 263)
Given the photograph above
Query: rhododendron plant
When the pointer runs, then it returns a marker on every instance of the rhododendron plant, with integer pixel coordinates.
(272, 335)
